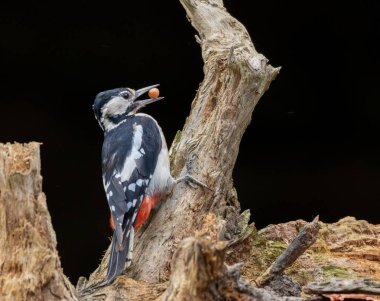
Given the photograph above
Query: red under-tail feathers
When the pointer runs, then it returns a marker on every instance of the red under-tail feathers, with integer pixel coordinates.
(148, 203)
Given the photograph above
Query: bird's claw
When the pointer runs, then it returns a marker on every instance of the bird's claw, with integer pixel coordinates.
(192, 185)
(192, 182)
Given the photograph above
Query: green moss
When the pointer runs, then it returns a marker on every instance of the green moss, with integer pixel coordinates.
(330, 271)
(278, 246)
(263, 253)
(177, 137)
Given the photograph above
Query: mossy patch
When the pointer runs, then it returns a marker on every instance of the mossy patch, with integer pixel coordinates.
(339, 252)
(331, 271)
(177, 137)
(263, 253)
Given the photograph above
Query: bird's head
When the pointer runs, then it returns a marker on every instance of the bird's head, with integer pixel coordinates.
(113, 106)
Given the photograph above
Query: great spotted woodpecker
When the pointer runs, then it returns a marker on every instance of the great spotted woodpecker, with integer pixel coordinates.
(135, 167)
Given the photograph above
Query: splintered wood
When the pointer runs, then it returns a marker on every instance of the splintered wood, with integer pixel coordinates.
(29, 263)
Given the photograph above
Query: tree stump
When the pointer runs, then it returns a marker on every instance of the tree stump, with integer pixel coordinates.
(29, 264)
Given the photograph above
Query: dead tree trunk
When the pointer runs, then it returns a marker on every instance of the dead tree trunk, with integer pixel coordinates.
(236, 76)
(29, 264)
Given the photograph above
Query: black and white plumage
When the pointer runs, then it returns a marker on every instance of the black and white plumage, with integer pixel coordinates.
(135, 163)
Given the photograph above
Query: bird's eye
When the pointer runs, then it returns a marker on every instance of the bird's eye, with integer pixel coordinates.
(124, 94)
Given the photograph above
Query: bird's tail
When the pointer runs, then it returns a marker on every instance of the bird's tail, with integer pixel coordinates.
(120, 259)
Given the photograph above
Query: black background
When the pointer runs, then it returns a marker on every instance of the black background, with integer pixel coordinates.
(313, 146)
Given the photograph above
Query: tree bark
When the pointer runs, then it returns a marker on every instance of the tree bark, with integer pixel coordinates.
(29, 264)
(235, 77)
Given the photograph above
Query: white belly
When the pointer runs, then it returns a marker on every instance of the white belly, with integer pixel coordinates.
(161, 181)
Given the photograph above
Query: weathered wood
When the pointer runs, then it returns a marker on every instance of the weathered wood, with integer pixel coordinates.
(344, 286)
(30, 268)
(235, 77)
(348, 248)
(305, 238)
(199, 272)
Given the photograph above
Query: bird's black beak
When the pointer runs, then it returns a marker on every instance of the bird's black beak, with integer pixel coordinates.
(143, 102)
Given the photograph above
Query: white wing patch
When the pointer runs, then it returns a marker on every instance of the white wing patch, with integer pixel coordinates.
(130, 162)
(132, 187)
(129, 205)
(134, 217)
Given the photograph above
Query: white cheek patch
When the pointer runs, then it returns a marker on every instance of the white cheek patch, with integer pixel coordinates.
(116, 106)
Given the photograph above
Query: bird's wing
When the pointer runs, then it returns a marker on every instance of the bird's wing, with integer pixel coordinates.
(127, 184)
(124, 200)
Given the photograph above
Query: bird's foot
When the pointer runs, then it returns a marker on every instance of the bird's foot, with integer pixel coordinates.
(192, 182)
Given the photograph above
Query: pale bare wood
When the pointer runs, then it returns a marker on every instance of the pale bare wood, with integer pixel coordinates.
(30, 268)
(235, 77)
(341, 286)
